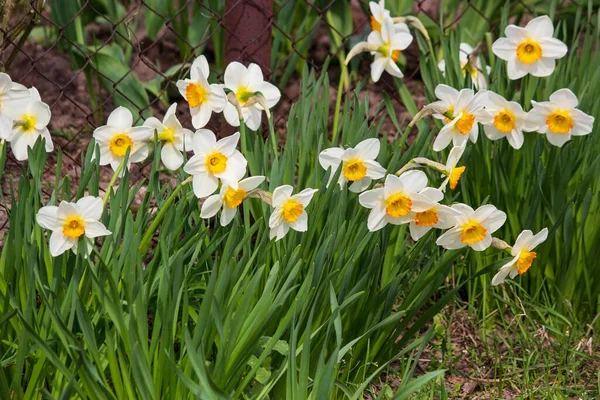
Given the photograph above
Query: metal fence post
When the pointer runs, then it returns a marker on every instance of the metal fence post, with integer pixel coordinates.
(248, 35)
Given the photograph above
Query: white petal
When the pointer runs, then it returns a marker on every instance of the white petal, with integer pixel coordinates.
(538, 239)
(217, 99)
(516, 69)
(451, 239)
(281, 194)
(445, 136)
(558, 139)
(482, 244)
(446, 93)
(434, 195)
(540, 27)
(47, 218)
(204, 141)
(564, 98)
(202, 65)
(495, 221)
(368, 149)
(305, 196)
(140, 133)
(583, 123)
(252, 117)
(301, 224)
(231, 115)
(516, 139)
(543, 67)
(236, 75)
(171, 157)
(377, 68)
(251, 183)
(278, 232)
(211, 206)
(376, 219)
(227, 215)
(331, 158)
(228, 144)
(201, 115)
(204, 185)
(374, 169)
(269, 92)
(504, 49)
(492, 133)
(516, 33)
(414, 180)
(553, 48)
(500, 277)
(90, 207)
(371, 198)
(120, 118)
(59, 243)
(417, 232)
(95, 228)
(359, 185)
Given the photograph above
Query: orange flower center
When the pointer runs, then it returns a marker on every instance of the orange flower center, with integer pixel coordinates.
(525, 260)
(398, 205)
(504, 121)
(427, 218)
(559, 121)
(119, 144)
(292, 209)
(354, 169)
(529, 51)
(455, 176)
(234, 198)
(73, 227)
(472, 232)
(195, 94)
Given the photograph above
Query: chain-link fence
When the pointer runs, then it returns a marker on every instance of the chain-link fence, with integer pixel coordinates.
(88, 56)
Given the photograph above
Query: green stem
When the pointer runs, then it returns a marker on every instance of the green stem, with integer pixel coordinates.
(112, 182)
(338, 103)
(159, 216)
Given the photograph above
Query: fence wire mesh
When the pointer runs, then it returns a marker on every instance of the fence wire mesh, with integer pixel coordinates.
(88, 56)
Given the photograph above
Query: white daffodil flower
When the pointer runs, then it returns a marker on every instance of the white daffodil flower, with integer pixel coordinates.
(505, 119)
(13, 100)
(175, 137)
(470, 64)
(70, 221)
(214, 160)
(472, 228)
(558, 118)
(436, 216)
(452, 172)
(379, 13)
(394, 202)
(29, 123)
(250, 89)
(358, 164)
(530, 50)
(229, 199)
(118, 135)
(523, 255)
(386, 46)
(464, 110)
(203, 98)
(290, 211)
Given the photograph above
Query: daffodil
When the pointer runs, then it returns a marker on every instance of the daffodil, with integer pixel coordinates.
(395, 202)
(472, 228)
(505, 119)
(29, 124)
(118, 135)
(436, 216)
(530, 50)
(175, 138)
(229, 199)
(202, 97)
(386, 46)
(290, 211)
(71, 222)
(452, 172)
(251, 93)
(13, 100)
(558, 118)
(523, 255)
(379, 13)
(358, 164)
(462, 112)
(469, 63)
(213, 161)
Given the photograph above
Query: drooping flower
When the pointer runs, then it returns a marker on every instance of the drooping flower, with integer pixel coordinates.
(71, 222)
(202, 97)
(505, 119)
(436, 216)
(452, 172)
(472, 228)
(558, 118)
(13, 100)
(250, 89)
(213, 161)
(523, 255)
(175, 138)
(463, 111)
(394, 202)
(118, 135)
(290, 211)
(29, 123)
(358, 164)
(229, 199)
(386, 46)
(470, 63)
(379, 13)
(530, 50)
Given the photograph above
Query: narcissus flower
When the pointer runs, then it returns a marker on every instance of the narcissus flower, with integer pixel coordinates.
(385, 45)
(251, 92)
(469, 63)
(229, 199)
(394, 202)
(71, 222)
(558, 118)
(118, 135)
(463, 111)
(13, 100)
(505, 119)
(29, 123)
(530, 50)
(214, 160)
(290, 211)
(452, 172)
(379, 13)
(358, 164)
(523, 255)
(203, 98)
(472, 228)
(175, 138)
(436, 216)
